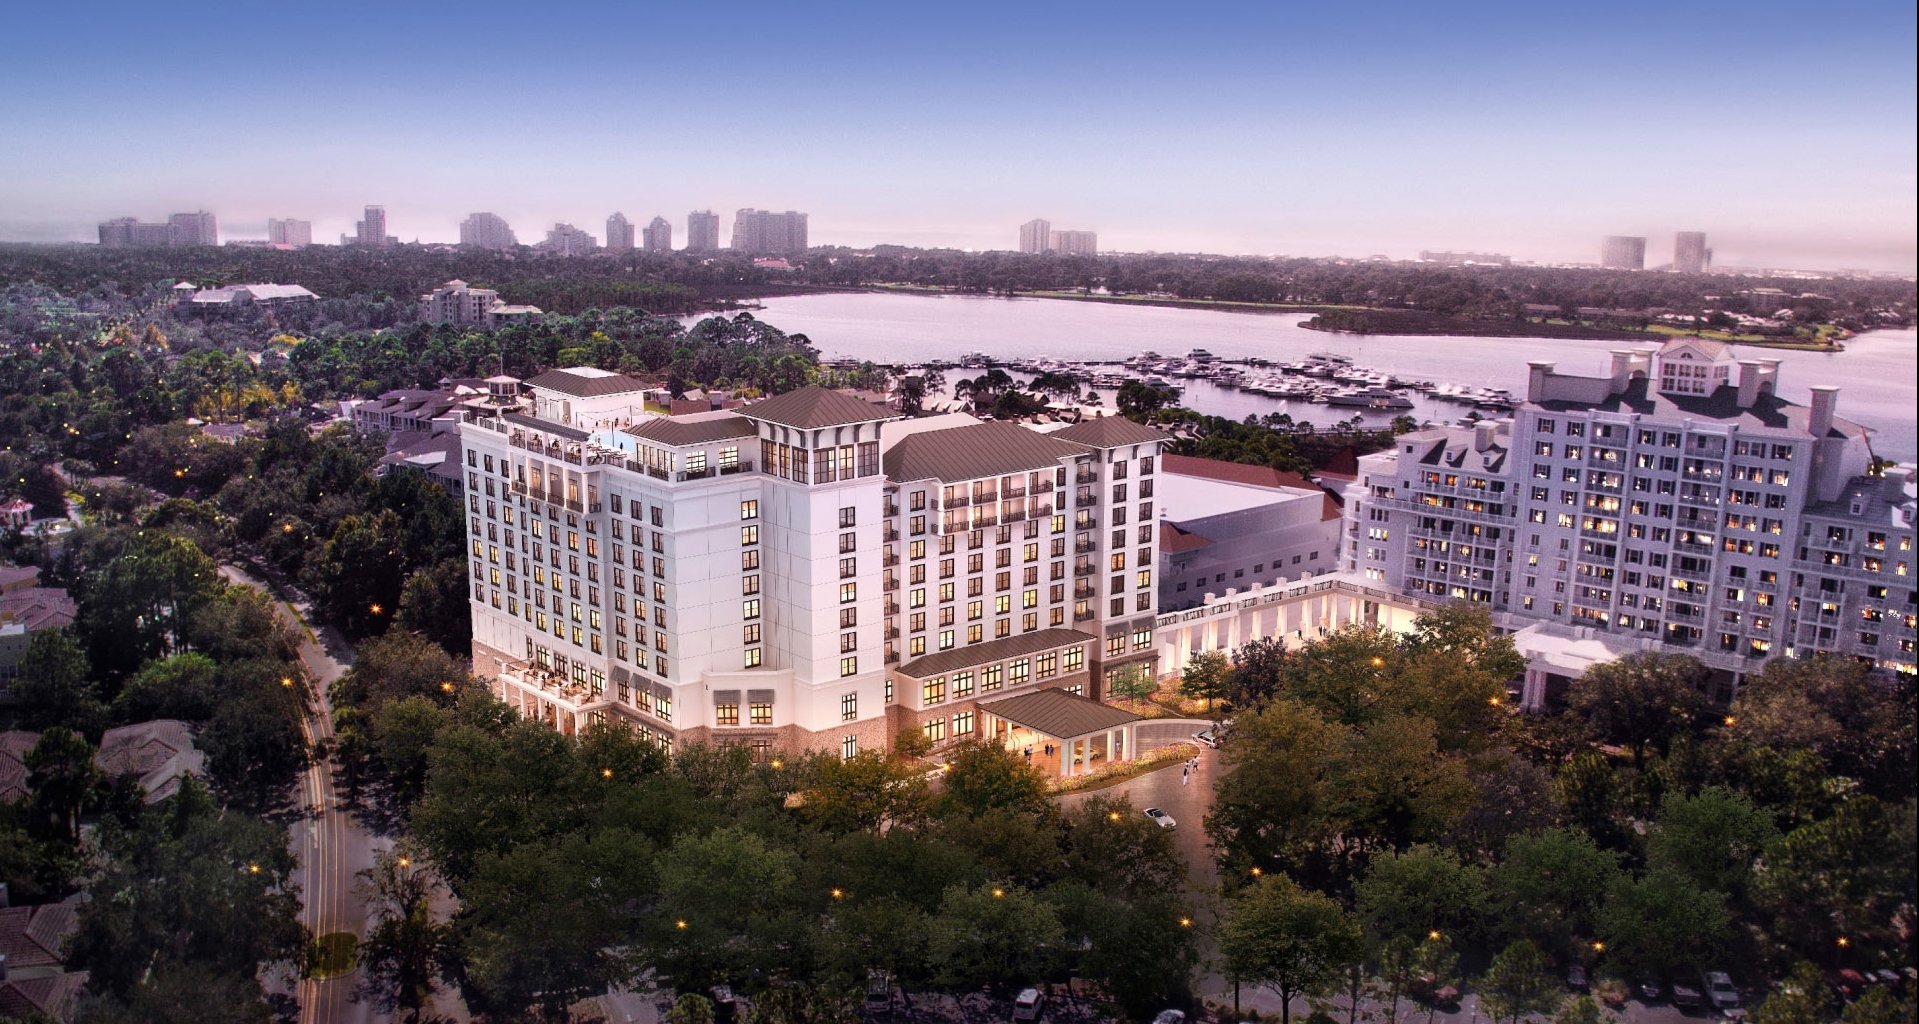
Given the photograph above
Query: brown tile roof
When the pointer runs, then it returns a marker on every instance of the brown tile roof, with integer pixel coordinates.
(14, 575)
(139, 749)
(53, 995)
(696, 429)
(13, 764)
(1059, 714)
(813, 408)
(993, 651)
(975, 451)
(1257, 476)
(1110, 432)
(34, 936)
(1173, 540)
(580, 386)
(38, 608)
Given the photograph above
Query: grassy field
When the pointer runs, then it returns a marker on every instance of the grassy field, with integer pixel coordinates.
(1824, 338)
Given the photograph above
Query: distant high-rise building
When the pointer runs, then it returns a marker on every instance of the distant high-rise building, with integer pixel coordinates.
(1689, 253)
(1623, 252)
(567, 240)
(180, 229)
(193, 229)
(766, 233)
(1075, 243)
(370, 231)
(658, 236)
(1035, 236)
(487, 231)
(702, 231)
(619, 233)
(289, 232)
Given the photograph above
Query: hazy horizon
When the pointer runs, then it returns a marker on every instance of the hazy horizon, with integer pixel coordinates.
(1785, 133)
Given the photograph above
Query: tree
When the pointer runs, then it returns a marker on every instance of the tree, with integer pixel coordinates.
(1550, 886)
(1712, 838)
(1138, 400)
(192, 885)
(54, 688)
(255, 749)
(992, 935)
(1270, 802)
(1294, 941)
(1662, 921)
(985, 778)
(433, 603)
(863, 793)
(352, 580)
(1641, 700)
(64, 781)
(706, 934)
(406, 950)
(1842, 876)
(1878, 1006)
(1582, 1009)
(1407, 896)
(185, 686)
(1132, 682)
(1517, 984)
(1860, 727)
(1802, 998)
(690, 1008)
(1204, 677)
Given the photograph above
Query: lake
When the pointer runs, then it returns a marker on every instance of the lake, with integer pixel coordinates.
(1875, 374)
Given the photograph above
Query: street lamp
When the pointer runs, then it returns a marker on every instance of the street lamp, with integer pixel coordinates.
(998, 893)
(680, 924)
(838, 893)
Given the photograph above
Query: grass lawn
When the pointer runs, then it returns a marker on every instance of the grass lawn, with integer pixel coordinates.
(333, 954)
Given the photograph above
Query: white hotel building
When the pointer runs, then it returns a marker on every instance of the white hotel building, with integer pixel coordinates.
(808, 571)
(1676, 500)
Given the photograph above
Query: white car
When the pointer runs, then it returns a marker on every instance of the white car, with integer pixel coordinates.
(1208, 737)
(1721, 991)
(1161, 818)
(1170, 1017)
(1029, 1005)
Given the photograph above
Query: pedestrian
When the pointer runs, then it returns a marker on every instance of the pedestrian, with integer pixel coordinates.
(1185, 776)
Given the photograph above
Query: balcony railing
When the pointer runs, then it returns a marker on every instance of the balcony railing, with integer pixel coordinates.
(744, 466)
(1085, 570)
(1083, 547)
(1083, 615)
(957, 501)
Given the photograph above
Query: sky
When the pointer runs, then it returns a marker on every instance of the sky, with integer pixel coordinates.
(1784, 131)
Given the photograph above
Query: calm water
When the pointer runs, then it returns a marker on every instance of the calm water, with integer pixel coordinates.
(1876, 373)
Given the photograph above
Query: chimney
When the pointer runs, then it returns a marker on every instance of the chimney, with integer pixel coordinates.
(1749, 374)
(1482, 436)
(1895, 491)
(1536, 380)
(1824, 398)
(1623, 360)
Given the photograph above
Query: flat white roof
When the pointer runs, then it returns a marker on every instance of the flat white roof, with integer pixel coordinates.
(1183, 498)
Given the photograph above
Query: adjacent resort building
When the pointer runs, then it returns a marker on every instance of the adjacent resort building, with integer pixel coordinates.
(1676, 500)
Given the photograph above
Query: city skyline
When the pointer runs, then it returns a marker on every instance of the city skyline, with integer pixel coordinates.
(1415, 129)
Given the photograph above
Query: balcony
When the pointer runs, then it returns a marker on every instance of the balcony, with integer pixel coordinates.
(728, 469)
(1085, 570)
(890, 534)
(891, 511)
(1017, 515)
(1042, 511)
(957, 501)
(1083, 547)
(1086, 476)
(696, 474)
(573, 505)
(892, 632)
(1017, 491)
(892, 607)
(1086, 521)
(1083, 615)
(519, 487)
(892, 582)
(1043, 486)
(1082, 591)
(890, 560)
(982, 522)
(1083, 496)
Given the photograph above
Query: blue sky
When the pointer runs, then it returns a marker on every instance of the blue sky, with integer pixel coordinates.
(1784, 131)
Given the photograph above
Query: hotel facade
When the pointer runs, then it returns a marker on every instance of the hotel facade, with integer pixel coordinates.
(805, 572)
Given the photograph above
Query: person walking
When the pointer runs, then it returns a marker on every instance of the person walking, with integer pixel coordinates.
(1185, 775)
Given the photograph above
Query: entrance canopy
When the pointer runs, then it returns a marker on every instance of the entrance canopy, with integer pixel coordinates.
(1082, 730)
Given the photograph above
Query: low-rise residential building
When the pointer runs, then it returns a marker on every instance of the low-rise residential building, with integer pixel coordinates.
(238, 296)
(457, 302)
(27, 608)
(34, 982)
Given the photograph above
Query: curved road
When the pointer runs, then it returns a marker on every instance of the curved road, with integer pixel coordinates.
(330, 847)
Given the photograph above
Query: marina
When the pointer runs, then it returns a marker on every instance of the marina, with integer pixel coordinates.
(1875, 371)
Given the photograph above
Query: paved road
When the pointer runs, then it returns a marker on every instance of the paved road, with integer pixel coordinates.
(330, 846)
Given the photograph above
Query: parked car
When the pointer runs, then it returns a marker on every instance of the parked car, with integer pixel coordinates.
(1720, 989)
(1649, 987)
(1208, 736)
(1686, 996)
(1576, 977)
(1161, 818)
(1029, 1004)
(879, 993)
(1170, 1017)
